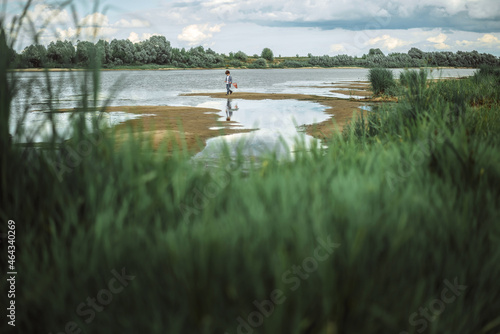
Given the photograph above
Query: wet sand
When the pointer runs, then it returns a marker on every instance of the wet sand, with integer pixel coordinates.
(341, 110)
(169, 125)
(191, 125)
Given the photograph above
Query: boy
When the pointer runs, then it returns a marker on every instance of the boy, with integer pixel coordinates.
(229, 82)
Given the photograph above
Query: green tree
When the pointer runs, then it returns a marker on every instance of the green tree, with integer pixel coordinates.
(84, 52)
(122, 52)
(103, 51)
(241, 56)
(61, 53)
(375, 52)
(34, 55)
(145, 52)
(416, 53)
(267, 54)
(259, 63)
(162, 48)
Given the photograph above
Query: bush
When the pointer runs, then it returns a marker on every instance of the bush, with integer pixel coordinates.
(381, 80)
(267, 54)
(294, 63)
(485, 70)
(259, 63)
(236, 63)
(240, 55)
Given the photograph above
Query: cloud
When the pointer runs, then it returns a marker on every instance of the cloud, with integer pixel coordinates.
(195, 34)
(134, 37)
(337, 48)
(439, 41)
(489, 39)
(44, 14)
(387, 42)
(464, 43)
(486, 41)
(477, 15)
(95, 20)
(135, 23)
(90, 27)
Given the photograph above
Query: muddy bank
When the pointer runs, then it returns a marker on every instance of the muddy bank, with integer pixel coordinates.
(341, 110)
(189, 126)
(192, 125)
(167, 123)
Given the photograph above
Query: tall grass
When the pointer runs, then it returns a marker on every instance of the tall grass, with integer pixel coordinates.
(382, 81)
(378, 233)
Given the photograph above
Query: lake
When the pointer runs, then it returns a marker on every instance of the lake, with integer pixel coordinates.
(276, 121)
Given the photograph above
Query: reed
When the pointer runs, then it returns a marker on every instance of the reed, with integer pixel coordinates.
(382, 80)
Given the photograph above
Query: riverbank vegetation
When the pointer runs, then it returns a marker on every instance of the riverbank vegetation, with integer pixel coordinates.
(391, 228)
(157, 52)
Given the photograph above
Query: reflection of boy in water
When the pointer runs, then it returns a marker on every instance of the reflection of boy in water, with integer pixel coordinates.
(229, 110)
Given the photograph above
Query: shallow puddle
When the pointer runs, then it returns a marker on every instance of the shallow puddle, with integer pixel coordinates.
(38, 128)
(275, 121)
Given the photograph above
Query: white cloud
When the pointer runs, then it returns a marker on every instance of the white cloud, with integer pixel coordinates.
(69, 33)
(489, 39)
(464, 43)
(337, 48)
(195, 34)
(439, 41)
(387, 42)
(134, 37)
(95, 20)
(486, 41)
(44, 14)
(135, 23)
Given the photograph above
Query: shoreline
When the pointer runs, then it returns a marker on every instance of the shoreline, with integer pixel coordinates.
(188, 127)
(218, 68)
(341, 110)
(193, 126)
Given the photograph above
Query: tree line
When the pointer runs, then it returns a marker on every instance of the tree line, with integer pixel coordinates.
(414, 58)
(158, 51)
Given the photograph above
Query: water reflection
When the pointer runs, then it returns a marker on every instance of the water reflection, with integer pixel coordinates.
(230, 109)
(37, 126)
(275, 121)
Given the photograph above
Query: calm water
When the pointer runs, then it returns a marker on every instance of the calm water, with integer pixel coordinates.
(274, 119)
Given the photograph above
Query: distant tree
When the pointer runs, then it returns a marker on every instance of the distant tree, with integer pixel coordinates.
(122, 52)
(375, 52)
(145, 52)
(163, 49)
(241, 56)
(61, 53)
(259, 63)
(267, 54)
(34, 55)
(11, 60)
(103, 51)
(416, 53)
(84, 52)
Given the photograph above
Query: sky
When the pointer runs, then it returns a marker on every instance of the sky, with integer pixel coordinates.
(287, 27)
